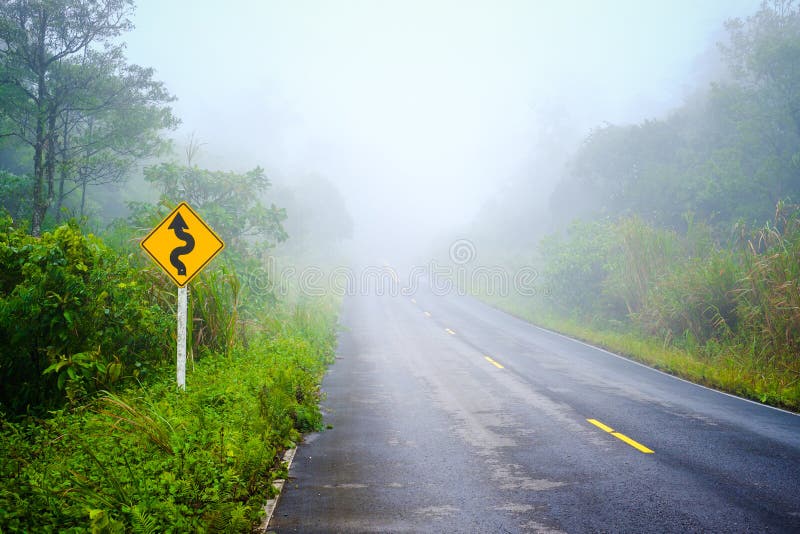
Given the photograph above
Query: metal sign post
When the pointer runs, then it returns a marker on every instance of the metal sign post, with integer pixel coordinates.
(182, 244)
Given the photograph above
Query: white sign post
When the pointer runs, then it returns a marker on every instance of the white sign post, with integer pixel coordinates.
(182, 307)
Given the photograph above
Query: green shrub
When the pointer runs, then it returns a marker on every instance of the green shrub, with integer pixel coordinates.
(638, 255)
(74, 317)
(216, 302)
(158, 459)
(576, 267)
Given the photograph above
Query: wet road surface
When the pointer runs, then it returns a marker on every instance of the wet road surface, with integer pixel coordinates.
(451, 416)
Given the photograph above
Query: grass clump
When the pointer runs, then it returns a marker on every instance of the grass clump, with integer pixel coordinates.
(157, 459)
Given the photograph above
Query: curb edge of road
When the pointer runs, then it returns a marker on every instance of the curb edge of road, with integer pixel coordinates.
(271, 504)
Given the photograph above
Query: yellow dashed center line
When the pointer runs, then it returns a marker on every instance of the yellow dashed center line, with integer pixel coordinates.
(427, 314)
(449, 331)
(635, 444)
(488, 359)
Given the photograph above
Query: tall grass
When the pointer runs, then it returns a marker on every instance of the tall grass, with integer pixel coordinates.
(216, 304)
(768, 296)
(727, 315)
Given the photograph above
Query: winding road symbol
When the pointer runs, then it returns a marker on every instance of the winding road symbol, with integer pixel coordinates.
(182, 244)
(179, 226)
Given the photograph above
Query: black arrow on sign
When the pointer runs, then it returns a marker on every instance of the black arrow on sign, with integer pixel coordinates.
(179, 226)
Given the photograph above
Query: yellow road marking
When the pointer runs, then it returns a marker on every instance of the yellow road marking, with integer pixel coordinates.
(414, 301)
(600, 425)
(427, 314)
(488, 359)
(449, 331)
(633, 443)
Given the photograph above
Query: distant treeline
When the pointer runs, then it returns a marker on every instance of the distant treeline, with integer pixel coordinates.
(730, 153)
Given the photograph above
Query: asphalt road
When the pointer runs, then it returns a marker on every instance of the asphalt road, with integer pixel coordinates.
(450, 416)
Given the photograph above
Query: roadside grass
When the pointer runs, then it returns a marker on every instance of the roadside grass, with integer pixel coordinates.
(726, 366)
(155, 459)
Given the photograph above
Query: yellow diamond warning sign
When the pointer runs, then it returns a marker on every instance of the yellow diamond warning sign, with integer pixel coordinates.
(182, 244)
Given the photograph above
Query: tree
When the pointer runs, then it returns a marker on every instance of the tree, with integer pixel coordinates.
(729, 153)
(68, 92)
(230, 202)
(114, 125)
(764, 97)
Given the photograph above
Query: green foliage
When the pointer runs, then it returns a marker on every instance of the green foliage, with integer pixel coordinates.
(736, 306)
(229, 202)
(576, 266)
(641, 272)
(693, 298)
(67, 92)
(74, 318)
(155, 459)
(85, 329)
(216, 305)
(15, 194)
(636, 260)
(768, 296)
(729, 153)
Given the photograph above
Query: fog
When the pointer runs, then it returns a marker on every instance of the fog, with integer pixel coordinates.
(419, 112)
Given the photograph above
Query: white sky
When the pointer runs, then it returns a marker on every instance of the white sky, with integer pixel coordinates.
(416, 110)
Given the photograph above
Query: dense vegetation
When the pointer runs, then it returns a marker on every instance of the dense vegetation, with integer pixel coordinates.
(75, 318)
(94, 432)
(686, 248)
(727, 316)
(95, 435)
(149, 458)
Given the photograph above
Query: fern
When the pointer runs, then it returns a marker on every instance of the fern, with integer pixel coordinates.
(142, 522)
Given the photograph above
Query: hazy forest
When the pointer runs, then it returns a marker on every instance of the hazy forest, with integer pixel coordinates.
(673, 239)
(676, 240)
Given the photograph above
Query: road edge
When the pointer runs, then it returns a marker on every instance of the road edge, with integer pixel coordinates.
(278, 484)
(629, 358)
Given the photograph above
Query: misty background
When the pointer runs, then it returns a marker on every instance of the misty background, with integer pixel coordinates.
(428, 118)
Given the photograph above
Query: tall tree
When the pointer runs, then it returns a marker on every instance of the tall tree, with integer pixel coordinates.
(68, 92)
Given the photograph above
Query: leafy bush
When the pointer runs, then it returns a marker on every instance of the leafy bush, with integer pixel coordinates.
(156, 459)
(576, 266)
(74, 317)
(216, 302)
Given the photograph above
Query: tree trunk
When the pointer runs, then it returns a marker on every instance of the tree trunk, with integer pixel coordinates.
(38, 179)
(39, 207)
(50, 161)
(83, 195)
(63, 173)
